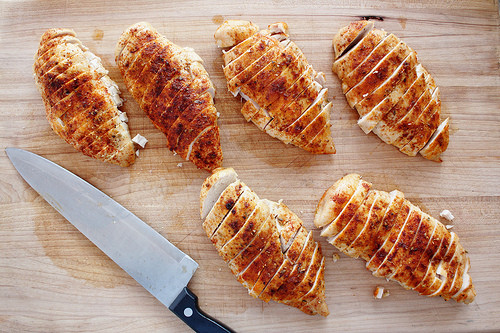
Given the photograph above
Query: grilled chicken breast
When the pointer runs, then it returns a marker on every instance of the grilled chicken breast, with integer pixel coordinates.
(173, 88)
(264, 244)
(81, 101)
(396, 238)
(284, 96)
(396, 98)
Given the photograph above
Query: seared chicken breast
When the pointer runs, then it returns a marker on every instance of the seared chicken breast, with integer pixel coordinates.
(173, 88)
(396, 238)
(284, 96)
(264, 244)
(396, 98)
(81, 101)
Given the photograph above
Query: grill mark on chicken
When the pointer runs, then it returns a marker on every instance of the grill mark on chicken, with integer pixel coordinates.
(265, 246)
(406, 245)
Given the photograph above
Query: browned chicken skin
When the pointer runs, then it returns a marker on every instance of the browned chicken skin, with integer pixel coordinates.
(171, 86)
(264, 244)
(398, 240)
(382, 79)
(81, 101)
(284, 95)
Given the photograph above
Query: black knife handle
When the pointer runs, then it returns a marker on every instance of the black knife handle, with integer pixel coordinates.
(185, 306)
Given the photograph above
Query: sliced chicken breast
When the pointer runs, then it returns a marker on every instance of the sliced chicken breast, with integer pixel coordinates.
(81, 101)
(264, 244)
(166, 80)
(383, 80)
(397, 240)
(272, 74)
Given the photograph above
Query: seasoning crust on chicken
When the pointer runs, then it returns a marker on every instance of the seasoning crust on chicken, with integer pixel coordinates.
(264, 244)
(81, 101)
(284, 95)
(396, 238)
(173, 88)
(394, 95)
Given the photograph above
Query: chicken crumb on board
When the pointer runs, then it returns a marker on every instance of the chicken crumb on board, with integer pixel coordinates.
(447, 215)
(380, 292)
(140, 140)
(335, 257)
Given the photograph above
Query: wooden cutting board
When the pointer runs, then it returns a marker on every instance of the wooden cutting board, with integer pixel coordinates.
(52, 279)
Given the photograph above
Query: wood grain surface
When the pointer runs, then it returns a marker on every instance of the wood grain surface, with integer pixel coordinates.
(52, 279)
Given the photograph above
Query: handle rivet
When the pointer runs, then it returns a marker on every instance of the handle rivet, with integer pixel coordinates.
(188, 312)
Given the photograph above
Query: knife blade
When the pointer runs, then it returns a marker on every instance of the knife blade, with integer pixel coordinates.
(149, 258)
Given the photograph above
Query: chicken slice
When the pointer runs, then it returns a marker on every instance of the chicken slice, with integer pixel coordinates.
(309, 277)
(425, 126)
(316, 304)
(405, 128)
(349, 36)
(369, 63)
(447, 244)
(362, 245)
(385, 128)
(292, 92)
(341, 220)
(297, 274)
(224, 204)
(233, 32)
(355, 56)
(250, 275)
(410, 123)
(322, 142)
(213, 187)
(255, 86)
(335, 199)
(311, 122)
(253, 248)
(314, 94)
(235, 219)
(251, 55)
(283, 272)
(234, 83)
(380, 73)
(395, 229)
(247, 232)
(437, 143)
(403, 244)
(349, 233)
(236, 51)
(407, 75)
(415, 251)
(445, 271)
(192, 108)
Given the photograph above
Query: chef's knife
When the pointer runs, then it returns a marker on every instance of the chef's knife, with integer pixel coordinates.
(160, 267)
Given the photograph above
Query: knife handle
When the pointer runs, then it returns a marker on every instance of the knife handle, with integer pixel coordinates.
(185, 306)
